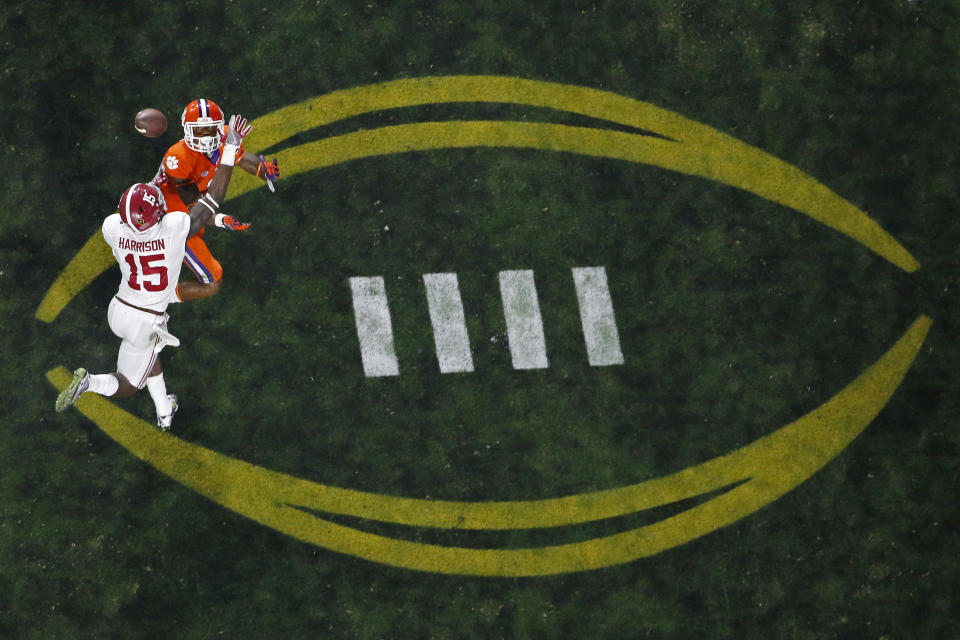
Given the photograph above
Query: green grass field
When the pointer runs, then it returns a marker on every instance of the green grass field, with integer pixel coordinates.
(735, 317)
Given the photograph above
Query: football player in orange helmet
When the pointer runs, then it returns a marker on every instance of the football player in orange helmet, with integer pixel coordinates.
(184, 175)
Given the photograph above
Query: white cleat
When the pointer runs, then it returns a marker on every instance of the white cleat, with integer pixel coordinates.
(165, 422)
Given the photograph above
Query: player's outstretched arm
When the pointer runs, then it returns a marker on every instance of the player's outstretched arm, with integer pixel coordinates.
(208, 204)
(249, 163)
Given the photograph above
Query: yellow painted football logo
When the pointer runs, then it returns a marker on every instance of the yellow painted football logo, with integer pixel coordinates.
(745, 480)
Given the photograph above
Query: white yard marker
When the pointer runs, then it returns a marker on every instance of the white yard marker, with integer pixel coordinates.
(449, 323)
(596, 314)
(374, 327)
(528, 348)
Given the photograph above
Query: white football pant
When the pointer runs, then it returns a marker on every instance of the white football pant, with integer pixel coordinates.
(142, 336)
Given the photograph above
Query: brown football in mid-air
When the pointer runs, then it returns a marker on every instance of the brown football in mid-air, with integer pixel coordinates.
(150, 122)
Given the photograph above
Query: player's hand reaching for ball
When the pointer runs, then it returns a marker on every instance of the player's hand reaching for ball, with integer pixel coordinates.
(235, 134)
(239, 128)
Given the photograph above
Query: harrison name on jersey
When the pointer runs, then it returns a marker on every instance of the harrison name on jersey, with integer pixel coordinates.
(133, 245)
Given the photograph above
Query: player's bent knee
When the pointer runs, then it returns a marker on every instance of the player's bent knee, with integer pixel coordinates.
(124, 388)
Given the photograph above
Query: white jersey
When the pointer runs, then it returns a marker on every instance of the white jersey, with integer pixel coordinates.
(150, 261)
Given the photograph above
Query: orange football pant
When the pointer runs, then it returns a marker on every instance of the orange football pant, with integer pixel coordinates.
(199, 259)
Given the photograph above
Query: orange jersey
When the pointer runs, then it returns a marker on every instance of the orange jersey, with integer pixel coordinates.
(181, 162)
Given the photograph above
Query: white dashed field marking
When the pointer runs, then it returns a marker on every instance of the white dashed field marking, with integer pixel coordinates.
(596, 315)
(374, 328)
(521, 310)
(449, 324)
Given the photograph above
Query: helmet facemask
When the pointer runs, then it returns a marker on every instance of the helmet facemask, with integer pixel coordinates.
(205, 143)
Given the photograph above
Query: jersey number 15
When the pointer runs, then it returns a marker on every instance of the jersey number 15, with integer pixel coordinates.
(147, 269)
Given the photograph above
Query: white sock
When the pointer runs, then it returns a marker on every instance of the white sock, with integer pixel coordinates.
(106, 384)
(158, 391)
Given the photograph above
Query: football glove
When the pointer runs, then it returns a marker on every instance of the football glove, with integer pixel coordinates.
(224, 221)
(269, 170)
(238, 130)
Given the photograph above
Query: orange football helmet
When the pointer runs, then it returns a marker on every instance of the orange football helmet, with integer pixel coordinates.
(202, 122)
